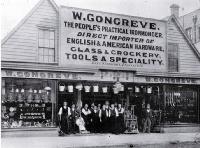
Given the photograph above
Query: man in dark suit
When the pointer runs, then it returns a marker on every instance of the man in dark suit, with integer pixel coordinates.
(147, 119)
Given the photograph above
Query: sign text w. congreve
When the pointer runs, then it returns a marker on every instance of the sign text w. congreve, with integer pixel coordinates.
(98, 39)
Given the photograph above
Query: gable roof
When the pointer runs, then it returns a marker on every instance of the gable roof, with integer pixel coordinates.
(174, 18)
(26, 18)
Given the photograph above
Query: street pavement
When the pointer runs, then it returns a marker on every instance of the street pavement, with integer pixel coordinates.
(99, 140)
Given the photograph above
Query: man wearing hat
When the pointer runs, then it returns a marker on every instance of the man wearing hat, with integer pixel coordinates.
(147, 119)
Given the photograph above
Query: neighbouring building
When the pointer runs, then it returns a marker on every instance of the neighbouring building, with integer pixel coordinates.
(191, 24)
(84, 56)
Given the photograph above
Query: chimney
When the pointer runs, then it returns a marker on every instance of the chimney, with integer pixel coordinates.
(175, 10)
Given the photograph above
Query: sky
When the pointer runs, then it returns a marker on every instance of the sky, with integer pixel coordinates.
(12, 11)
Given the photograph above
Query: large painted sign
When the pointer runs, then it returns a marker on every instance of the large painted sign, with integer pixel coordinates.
(105, 40)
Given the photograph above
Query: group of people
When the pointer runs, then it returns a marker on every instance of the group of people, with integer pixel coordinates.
(106, 118)
(99, 118)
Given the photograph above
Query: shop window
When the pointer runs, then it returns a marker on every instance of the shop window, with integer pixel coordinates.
(28, 103)
(46, 46)
(181, 104)
(173, 57)
(189, 32)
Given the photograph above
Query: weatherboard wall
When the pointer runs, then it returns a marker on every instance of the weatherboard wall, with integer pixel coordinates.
(188, 60)
(22, 45)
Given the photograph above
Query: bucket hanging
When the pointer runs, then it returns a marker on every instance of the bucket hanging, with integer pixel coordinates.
(137, 89)
(96, 88)
(115, 90)
(105, 89)
(61, 87)
(70, 88)
(87, 88)
(149, 90)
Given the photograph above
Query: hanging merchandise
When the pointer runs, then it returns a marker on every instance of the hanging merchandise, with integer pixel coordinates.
(96, 88)
(47, 86)
(115, 90)
(149, 90)
(79, 86)
(11, 97)
(30, 90)
(22, 90)
(37, 98)
(12, 90)
(30, 96)
(117, 85)
(105, 89)
(46, 97)
(130, 88)
(17, 90)
(70, 88)
(121, 88)
(61, 87)
(137, 89)
(87, 88)
(20, 97)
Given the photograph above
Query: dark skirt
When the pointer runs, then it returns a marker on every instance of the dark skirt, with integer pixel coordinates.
(73, 126)
(64, 124)
(102, 127)
(120, 125)
(113, 123)
(95, 124)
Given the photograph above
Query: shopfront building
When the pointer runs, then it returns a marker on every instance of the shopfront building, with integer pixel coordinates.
(84, 56)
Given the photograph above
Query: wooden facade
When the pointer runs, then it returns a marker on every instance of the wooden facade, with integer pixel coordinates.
(22, 45)
(20, 56)
(188, 59)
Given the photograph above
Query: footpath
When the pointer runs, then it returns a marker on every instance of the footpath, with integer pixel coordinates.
(49, 139)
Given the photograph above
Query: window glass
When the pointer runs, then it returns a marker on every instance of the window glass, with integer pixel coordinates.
(46, 34)
(172, 57)
(51, 58)
(41, 42)
(41, 59)
(46, 58)
(51, 44)
(189, 32)
(27, 103)
(51, 52)
(46, 52)
(46, 45)
(41, 34)
(41, 51)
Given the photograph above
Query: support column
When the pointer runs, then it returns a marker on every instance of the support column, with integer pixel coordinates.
(79, 101)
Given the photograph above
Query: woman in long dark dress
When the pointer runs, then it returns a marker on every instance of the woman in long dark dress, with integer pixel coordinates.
(64, 114)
